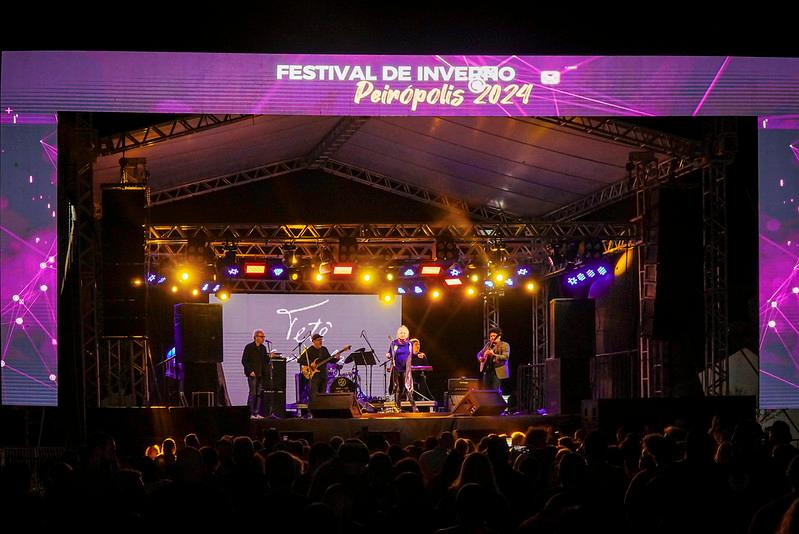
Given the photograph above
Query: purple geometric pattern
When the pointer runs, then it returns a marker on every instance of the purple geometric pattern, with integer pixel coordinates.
(253, 83)
(28, 262)
(779, 268)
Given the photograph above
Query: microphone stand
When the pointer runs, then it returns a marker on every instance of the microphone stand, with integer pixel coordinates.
(296, 358)
(369, 386)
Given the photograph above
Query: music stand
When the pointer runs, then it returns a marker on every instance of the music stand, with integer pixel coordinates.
(362, 357)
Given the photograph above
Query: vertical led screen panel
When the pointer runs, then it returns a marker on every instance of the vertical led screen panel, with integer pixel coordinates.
(28, 288)
(778, 154)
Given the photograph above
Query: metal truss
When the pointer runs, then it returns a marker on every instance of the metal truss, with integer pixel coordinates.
(540, 329)
(124, 375)
(628, 134)
(406, 232)
(344, 129)
(218, 183)
(650, 357)
(165, 131)
(295, 286)
(653, 176)
(377, 243)
(415, 192)
(490, 312)
(714, 212)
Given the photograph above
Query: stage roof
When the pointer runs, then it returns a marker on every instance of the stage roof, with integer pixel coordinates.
(524, 166)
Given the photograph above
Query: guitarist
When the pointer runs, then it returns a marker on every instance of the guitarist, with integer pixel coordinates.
(315, 354)
(493, 360)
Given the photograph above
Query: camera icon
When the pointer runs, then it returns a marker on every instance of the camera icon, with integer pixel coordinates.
(550, 77)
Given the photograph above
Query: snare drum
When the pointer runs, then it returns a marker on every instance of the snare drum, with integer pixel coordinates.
(342, 384)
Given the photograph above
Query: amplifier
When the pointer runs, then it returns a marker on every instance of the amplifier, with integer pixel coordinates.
(462, 385)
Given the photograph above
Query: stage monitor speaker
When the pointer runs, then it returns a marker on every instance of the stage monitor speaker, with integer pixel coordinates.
(566, 384)
(572, 329)
(342, 405)
(198, 333)
(480, 402)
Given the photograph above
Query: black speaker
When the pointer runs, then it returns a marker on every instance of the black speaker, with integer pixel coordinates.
(200, 377)
(275, 374)
(343, 405)
(572, 328)
(198, 333)
(566, 384)
(274, 403)
(480, 402)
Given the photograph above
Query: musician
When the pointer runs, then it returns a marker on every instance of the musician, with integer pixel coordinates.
(420, 379)
(316, 352)
(495, 353)
(400, 353)
(254, 360)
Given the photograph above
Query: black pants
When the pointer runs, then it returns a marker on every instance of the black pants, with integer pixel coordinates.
(256, 394)
(491, 380)
(400, 391)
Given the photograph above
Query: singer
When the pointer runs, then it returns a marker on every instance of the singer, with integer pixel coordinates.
(400, 353)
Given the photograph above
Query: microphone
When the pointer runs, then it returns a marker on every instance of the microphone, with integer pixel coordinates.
(267, 340)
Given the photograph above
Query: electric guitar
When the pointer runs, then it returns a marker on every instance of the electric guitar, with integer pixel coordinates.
(308, 371)
(491, 345)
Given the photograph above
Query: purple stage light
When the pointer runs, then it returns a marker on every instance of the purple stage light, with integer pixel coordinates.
(522, 271)
(408, 272)
(151, 278)
(216, 288)
(602, 271)
(233, 271)
(572, 281)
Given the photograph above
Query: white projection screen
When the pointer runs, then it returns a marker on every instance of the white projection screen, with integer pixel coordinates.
(288, 319)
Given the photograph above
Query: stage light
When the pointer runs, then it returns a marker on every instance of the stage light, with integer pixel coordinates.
(509, 282)
(590, 273)
(43, 265)
(216, 288)
(401, 291)
(343, 269)
(233, 270)
(160, 280)
(435, 294)
(151, 278)
(278, 271)
(367, 277)
(195, 292)
(500, 275)
(223, 295)
(319, 277)
(205, 287)
(471, 291)
(184, 275)
(489, 283)
(409, 272)
(474, 278)
(773, 303)
(136, 282)
(602, 271)
(390, 276)
(581, 277)
(52, 378)
(572, 281)
(418, 289)
(295, 276)
(254, 269)
(530, 286)
(174, 289)
(387, 297)
(453, 281)
(522, 271)
(431, 270)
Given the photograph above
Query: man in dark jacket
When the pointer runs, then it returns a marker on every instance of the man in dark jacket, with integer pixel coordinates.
(254, 361)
